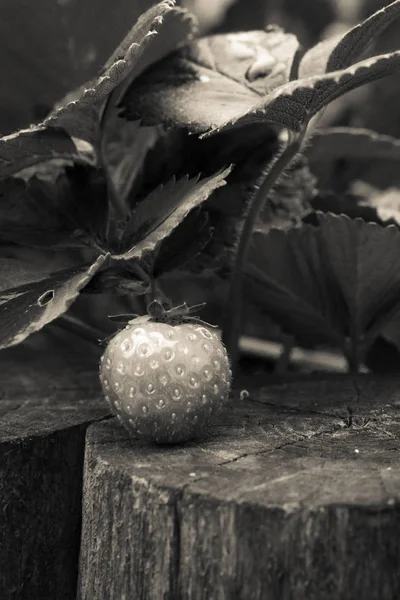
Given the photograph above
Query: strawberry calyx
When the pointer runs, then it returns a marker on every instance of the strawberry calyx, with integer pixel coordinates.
(177, 314)
(156, 312)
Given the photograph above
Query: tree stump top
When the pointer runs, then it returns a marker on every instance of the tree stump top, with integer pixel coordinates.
(46, 386)
(296, 494)
(315, 443)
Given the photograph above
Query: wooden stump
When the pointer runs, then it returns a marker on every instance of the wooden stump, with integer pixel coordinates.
(47, 399)
(296, 495)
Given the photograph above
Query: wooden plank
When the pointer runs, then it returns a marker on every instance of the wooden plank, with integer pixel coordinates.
(49, 393)
(296, 495)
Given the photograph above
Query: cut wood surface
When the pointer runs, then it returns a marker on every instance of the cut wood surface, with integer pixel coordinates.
(295, 495)
(49, 393)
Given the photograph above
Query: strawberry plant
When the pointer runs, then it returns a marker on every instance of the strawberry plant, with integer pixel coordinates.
(165, 163)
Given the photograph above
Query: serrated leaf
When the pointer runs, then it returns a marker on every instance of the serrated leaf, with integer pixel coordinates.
(209, 80)
(51, 47)
(174, 28)
(365, 261)
(184, 244)
(350, 204)
(128, 146)
(69, 211)
(351, 142)
(16, 272)
(294, 104)
(178, 153)
(358, 39)
(155, 35)
(288, 279)
(32, 146)
(163, 210)
(29, 214)
(156, 208)
(80, 112)
(341, 51)
(347, 271)
(27, 308)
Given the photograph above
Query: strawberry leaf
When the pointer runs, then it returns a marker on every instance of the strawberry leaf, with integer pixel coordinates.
(32, 146)
(163, 210)
(27, 308)
(179, 153)
(69, 211)
(158, 205)
(184, 244)
(350, 142)
(365, 261)
(351, 204)
(49, 48)
(315, 60)
(29, 215)
(341, 51)
(79, 115)
(294, 104)
(15, 271)
(173, 28)
(345, 271)
(209, 80)
(288, 279)
(358, 39)
(128, 146)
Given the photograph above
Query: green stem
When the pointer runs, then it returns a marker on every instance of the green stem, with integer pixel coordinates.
(157, 293)
(83, 330)
(232, 325)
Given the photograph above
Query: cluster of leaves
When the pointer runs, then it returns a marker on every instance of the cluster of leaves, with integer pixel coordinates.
(58, 195)
(330, 281)
(125, 180)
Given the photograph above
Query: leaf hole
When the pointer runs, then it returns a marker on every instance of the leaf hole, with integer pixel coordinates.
(46, 298)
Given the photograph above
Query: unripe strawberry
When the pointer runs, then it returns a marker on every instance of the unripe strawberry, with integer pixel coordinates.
(165, 382)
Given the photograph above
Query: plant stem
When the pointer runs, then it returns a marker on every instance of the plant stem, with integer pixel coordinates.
(157, 293)
(233, 320)
(78, 327)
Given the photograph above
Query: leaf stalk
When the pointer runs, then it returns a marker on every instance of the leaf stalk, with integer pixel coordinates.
(231, 329)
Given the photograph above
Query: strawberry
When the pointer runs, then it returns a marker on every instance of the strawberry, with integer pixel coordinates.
(165, 379)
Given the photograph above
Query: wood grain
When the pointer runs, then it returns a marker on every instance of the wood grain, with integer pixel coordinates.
(296, 495)
(49, 393)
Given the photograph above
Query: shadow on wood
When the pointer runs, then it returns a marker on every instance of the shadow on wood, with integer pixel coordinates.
(295, 496)
(48, 396)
